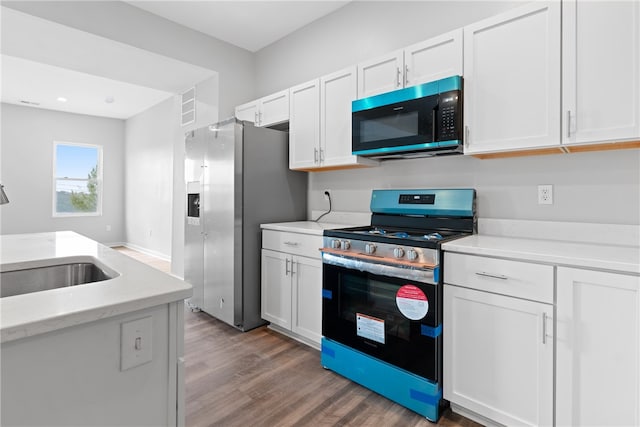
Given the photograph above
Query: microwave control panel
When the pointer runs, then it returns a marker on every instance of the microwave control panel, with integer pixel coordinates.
(450, 117)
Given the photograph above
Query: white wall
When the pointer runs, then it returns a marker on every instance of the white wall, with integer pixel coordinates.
(154, 174)
(150, 138)
(26, 170)
(601, 187)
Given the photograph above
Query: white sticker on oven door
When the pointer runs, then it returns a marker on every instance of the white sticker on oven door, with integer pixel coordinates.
(412, 302)
(370, 327)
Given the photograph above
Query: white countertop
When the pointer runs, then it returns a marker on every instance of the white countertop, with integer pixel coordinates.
(305, 227)
(137, 287)
(625, 259)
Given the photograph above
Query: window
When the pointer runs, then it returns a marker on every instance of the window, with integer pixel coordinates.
(77, 179)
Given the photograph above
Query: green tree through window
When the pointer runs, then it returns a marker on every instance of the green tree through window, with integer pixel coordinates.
(87, 202)
(77, 179)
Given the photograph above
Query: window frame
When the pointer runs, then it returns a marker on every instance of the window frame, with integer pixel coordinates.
(55, 179)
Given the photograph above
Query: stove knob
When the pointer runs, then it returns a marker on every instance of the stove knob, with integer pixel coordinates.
(412, 255)
(398, 252)
(335, 244)
(370, 248)
(345, 245)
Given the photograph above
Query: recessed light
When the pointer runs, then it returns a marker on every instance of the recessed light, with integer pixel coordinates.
(62, 99)
(109, 99)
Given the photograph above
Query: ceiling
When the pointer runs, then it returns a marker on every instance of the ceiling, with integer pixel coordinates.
(251, 25)
(43, 60)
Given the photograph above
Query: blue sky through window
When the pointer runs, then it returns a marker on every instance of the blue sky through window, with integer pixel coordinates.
(75, 161)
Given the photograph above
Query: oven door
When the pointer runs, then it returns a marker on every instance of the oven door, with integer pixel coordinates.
(397, 320)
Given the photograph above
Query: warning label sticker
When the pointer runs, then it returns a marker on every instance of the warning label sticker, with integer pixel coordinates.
(370, 327)
(412, 302)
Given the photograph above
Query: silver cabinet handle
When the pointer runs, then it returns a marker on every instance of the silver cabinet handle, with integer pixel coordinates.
(293, 265)
(315, 155)
(260, 117)
(255, 115)
(398, 77)
(466, 136)
(544, 328)
(321, 155)
(288, 243)
(406, 75)
(493, 276)
(286, 268)
(568, 123)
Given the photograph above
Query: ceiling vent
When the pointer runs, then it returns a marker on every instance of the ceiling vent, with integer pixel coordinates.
(188, 107)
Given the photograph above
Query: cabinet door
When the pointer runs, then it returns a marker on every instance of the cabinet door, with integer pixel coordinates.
(434, 59)
(598, 348)
(601, 69)
(498, 359)
(307, 298)
(248, 112)
(274, 109)
(380, 75)
(337, 91)
(512, 80)
(304, 126)
(276, 288)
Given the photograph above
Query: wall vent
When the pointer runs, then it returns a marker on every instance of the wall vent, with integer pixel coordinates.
(188, 107)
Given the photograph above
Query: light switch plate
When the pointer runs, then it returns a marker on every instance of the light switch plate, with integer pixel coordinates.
(136, 342)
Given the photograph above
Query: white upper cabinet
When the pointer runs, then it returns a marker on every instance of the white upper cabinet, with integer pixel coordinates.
(380, 75)
(304, 126)
(422, 62)
(337, 91)
(320, 125)
(433, 59)
(512, 80)
(274, 109)
(248, 111)
(267, 111)
(601, 71)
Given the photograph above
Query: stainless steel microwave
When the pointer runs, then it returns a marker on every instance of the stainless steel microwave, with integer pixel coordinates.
(418, 121)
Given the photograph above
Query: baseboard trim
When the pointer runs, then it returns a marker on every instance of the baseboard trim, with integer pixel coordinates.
(146, 251)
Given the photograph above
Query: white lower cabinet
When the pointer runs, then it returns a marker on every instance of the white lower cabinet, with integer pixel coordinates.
(598, 348)
(498, 346)
(292, 284)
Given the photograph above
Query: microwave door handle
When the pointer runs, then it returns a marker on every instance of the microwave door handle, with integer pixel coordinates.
(433, 126)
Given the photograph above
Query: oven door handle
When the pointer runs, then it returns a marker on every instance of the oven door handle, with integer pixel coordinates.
(422, 275)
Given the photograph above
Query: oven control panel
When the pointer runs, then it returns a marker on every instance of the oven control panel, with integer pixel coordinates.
(387, 253)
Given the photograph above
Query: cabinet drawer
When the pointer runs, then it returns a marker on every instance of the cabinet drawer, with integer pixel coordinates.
(514, 278)
(295, 243)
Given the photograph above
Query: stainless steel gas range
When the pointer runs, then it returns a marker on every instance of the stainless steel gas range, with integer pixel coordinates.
(382, 294)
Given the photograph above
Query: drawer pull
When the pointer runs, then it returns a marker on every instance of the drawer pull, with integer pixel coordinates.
(493, 276)
(288, 243)
(544, 328)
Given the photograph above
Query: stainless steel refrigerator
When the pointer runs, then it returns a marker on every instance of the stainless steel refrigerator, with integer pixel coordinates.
(237, 177)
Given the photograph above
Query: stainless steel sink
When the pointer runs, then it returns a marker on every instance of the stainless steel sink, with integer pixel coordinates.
(18, 282)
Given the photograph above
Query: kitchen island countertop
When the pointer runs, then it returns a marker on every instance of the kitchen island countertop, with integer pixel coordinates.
(136, 287)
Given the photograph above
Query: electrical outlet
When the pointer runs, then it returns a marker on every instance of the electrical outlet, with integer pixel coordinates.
(545, 194)
(326, 194)
(136, 342)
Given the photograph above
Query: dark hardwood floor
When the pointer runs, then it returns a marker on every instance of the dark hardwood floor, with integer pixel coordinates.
(262, 378)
